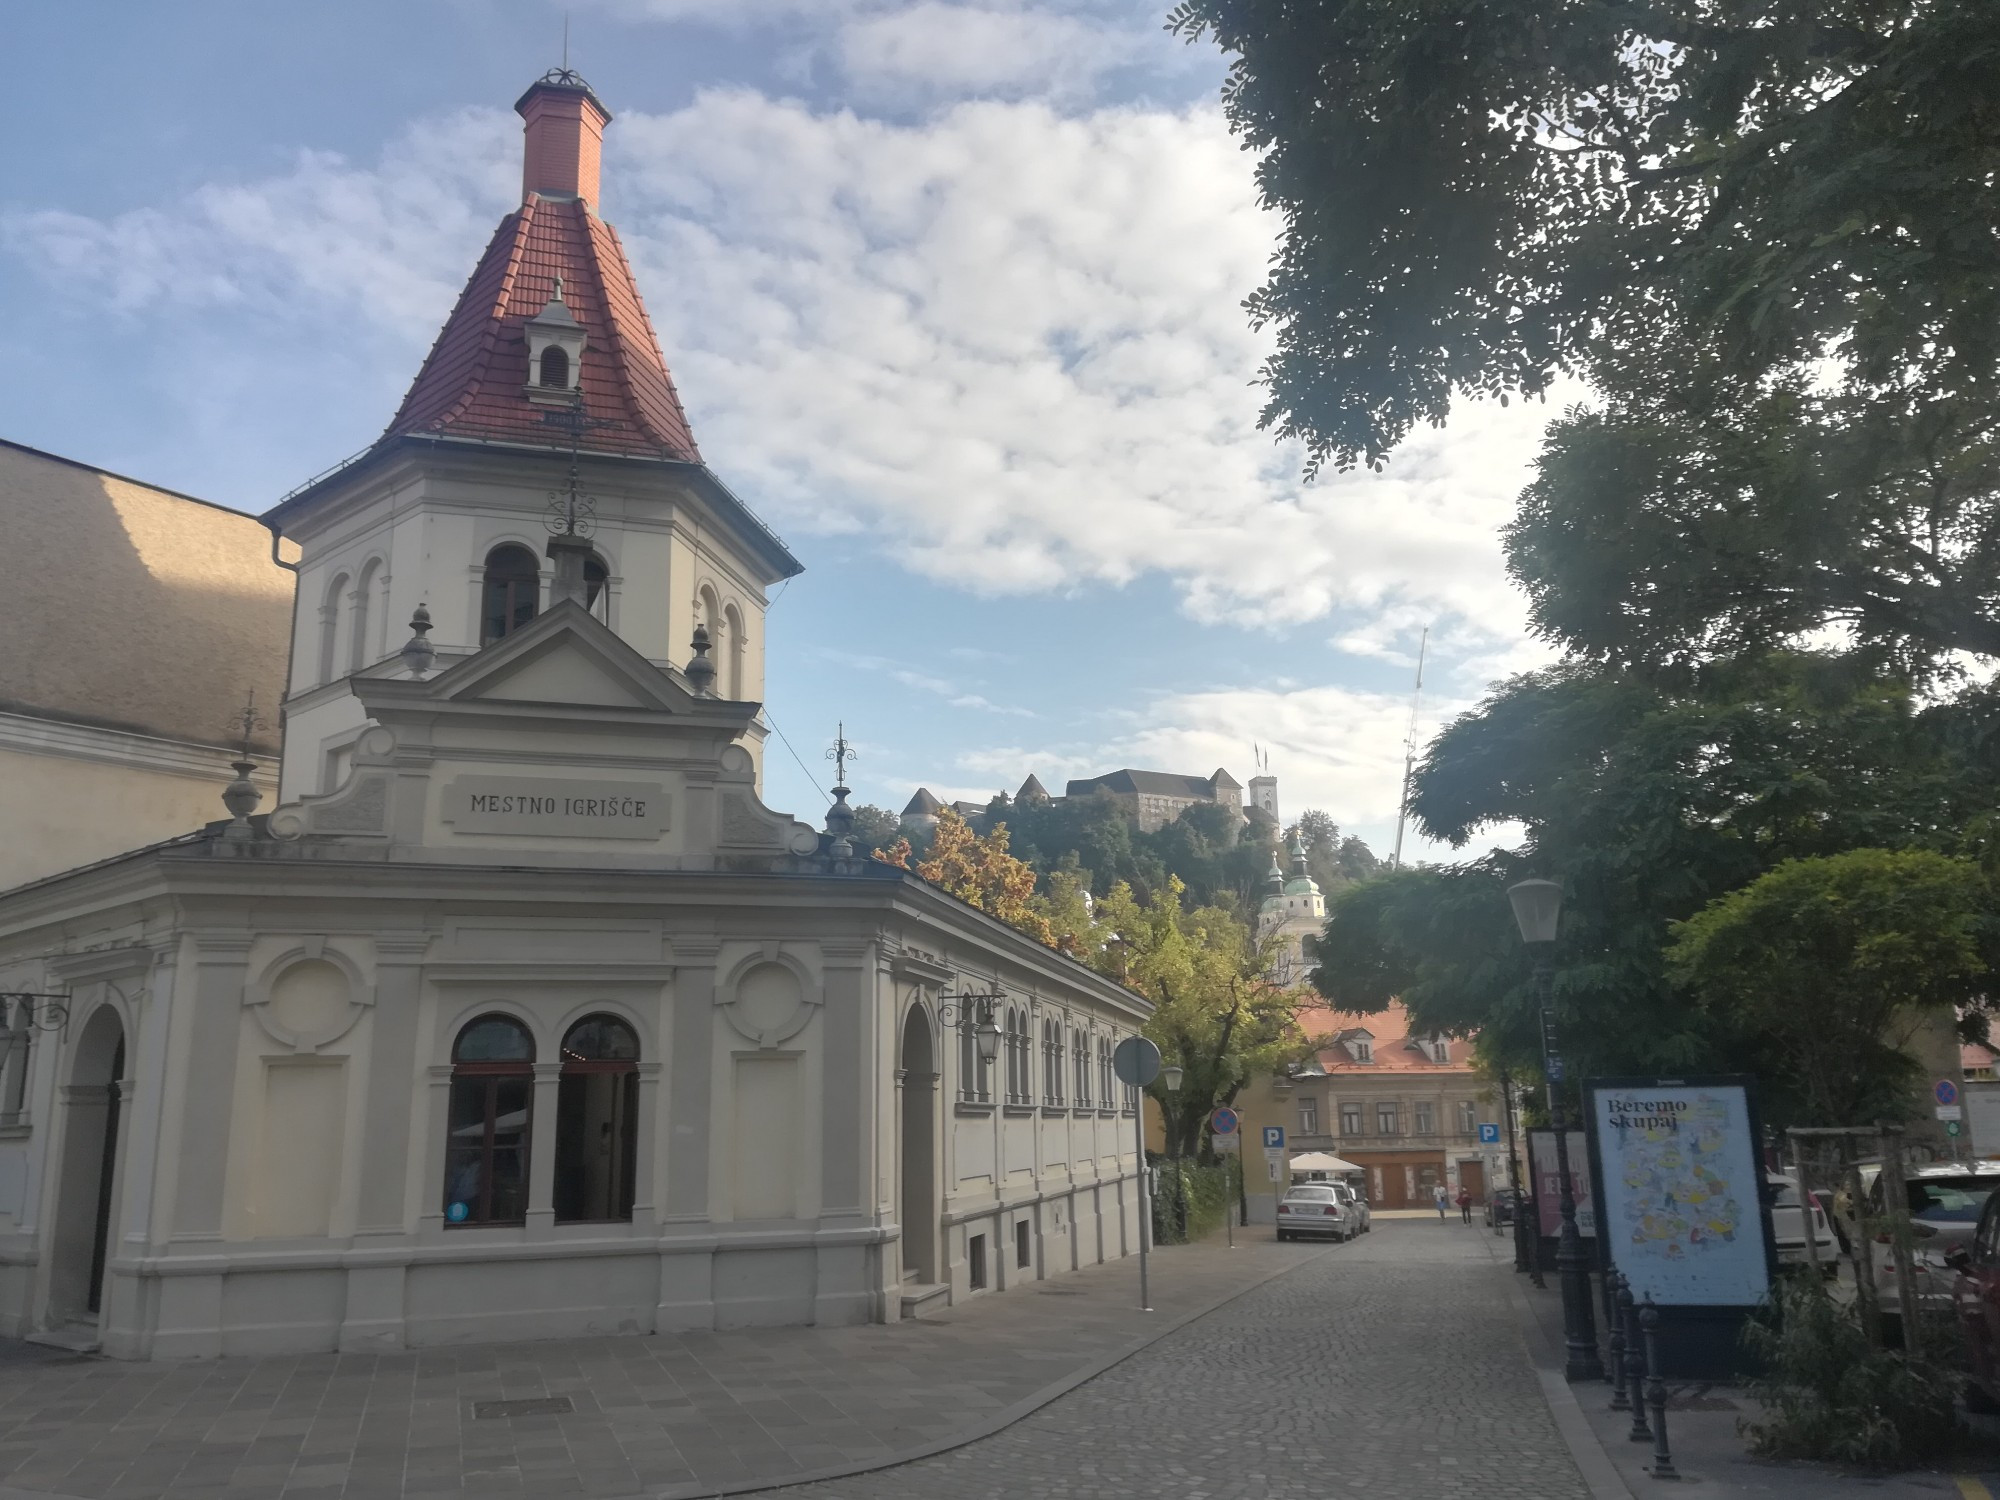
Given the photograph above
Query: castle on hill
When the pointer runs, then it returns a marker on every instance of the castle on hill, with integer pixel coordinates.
(1152, 799)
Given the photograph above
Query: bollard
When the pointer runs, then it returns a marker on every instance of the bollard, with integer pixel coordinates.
(1656, 1393)
(1635, 1365)
(1614, 1314)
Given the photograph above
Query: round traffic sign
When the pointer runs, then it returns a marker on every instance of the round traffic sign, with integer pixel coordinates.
(1223, 1121)
(1945, 1091)
(1136, 1061)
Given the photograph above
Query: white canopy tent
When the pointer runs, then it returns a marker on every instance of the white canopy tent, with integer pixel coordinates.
(1310, 1166)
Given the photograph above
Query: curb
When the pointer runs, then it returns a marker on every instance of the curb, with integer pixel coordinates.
(1005, 1418)
(1600, 1475)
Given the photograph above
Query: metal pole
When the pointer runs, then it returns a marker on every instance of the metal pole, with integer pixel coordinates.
(1145, 1200)
(1572, 1266)
(1635, 1364)
(1615, 1285)
(1656, 1392)
(1522, 1261)
(1902, 1246)
(1805, 1206)
(1229, 1214)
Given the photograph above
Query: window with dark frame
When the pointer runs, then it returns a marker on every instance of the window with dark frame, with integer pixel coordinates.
(975, 1256)
(1022, 1250)
(1425, 1120)
(597, 1122)
(512, 594)
(1350, 1119)
(1385, 1119)
(487, 1123)
(555, 368)
(1308, 1117)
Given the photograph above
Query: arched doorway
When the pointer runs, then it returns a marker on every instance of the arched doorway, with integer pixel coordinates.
(919, 1201)
(86, 1201)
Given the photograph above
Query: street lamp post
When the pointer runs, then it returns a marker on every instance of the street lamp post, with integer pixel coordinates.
(1537, 908)
(1171, 1077)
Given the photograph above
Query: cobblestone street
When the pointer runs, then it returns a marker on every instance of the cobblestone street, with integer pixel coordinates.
(1392, 1369)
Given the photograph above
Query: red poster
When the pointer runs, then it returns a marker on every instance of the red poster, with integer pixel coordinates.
(1548, 1182)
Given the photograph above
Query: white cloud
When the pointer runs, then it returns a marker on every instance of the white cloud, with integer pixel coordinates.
(930, 50)
(1004, 342)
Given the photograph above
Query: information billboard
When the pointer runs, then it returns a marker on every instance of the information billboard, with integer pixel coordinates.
(1548, 1183)
(1680, 1205)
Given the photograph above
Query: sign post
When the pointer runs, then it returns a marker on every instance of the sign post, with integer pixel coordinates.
(1222, 1123)
(1136, 1061)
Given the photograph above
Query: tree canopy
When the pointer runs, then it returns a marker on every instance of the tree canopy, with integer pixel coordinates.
(1478, 197)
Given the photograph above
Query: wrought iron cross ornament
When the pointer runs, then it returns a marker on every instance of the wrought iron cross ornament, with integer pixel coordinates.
(841, 753)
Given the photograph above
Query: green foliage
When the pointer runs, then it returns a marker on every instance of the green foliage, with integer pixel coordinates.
(1648, 802)
(1203, 1193)
(1825, 966)
(1829, 1396)
(874, 828)
(1476, 196)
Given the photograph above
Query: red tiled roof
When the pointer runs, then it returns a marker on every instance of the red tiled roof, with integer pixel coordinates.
(1390, 1030)
(474, 382)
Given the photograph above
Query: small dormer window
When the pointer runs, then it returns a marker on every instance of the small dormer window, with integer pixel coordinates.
(554, 373)
(1363, 1049)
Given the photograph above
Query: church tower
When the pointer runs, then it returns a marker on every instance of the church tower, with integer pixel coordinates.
(541, 453)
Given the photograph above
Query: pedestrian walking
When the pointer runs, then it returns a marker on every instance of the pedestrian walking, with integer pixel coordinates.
(1441, 1201)
(1465, 1204)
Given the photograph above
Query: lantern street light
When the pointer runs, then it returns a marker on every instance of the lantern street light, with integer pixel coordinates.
(1537, 910)
(1171, 1076)
(979, 1008)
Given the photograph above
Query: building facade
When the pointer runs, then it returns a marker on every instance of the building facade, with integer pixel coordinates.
(1405, 1108)
(103, 746)
(521, 1014)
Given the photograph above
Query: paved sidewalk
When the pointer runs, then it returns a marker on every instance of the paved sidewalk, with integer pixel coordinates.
(665, 1415)
(1712, 1459)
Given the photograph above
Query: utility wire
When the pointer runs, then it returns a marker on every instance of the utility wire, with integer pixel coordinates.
(795, 754)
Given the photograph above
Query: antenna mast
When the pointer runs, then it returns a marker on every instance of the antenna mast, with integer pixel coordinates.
(1410, 751)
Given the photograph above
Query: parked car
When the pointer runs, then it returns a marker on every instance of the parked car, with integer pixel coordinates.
(1357, 1203)
(1947, 1201)
(1788, 1228)
(1315, 1208)
(1975, 1298)
(1499, 1207)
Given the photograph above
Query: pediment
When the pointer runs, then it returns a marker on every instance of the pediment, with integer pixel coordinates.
(564, 657)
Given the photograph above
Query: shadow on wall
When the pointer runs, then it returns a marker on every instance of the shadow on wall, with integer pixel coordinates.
(140, 610)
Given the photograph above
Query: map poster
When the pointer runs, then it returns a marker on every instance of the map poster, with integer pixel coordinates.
(1678, 1169)
(1548, 1183)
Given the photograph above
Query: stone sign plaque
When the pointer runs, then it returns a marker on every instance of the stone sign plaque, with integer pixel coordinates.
(545, 807)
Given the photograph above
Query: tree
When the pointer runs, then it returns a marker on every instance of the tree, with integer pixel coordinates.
(875, 828)
(1476, 198)
(1827, 967)
(1214, 1017)
(979, 871)
(1648, 803)
(1335, 862)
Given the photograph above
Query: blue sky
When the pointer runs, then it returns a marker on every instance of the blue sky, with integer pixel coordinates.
(952, 293)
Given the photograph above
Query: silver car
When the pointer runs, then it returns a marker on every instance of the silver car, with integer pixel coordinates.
(1945, 1200)
(1357, 1203)
(1315, 1208)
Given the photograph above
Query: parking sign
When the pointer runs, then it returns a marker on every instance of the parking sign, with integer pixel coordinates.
(1489, 1135)
(1274, 1137)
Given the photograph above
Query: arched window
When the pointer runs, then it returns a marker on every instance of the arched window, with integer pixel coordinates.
(1080, 1049)
(361, 650)
(595, 597)
(1107, 1091)
(975, 1073)
(732, 653)
(597, 1121)
(513, 592)
(555, 367)
(1052, 1062)
(1017, 1056)
(331, 614)
(486, 1131)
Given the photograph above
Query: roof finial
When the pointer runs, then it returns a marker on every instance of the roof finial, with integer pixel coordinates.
(700, 671)
(565, 48)
(418, 653)
(241, 795)
(558, 296)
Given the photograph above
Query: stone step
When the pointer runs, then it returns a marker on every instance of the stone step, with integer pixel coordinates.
(920, 1297)
(78, 1338)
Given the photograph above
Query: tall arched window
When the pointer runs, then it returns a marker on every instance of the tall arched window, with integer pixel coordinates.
(597, 1121)
(1107, 1084)
(513, 592)
(331, 613)
(732, 653)
(1080, 1050)
(975, 1073)
(486, 1131)
(361, 648)
(596, 598)
(555, 368)
(1017, 1056)
(1052, 1062)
